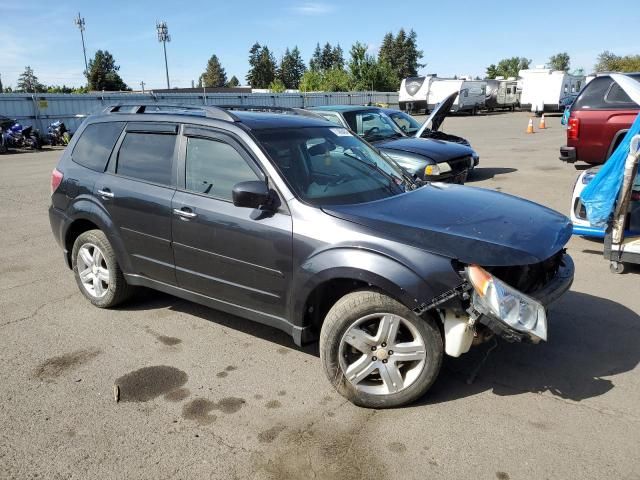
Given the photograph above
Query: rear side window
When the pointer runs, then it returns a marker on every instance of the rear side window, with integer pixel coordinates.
(603, 93)
(95, 145)
(214, 167)
(147, 156)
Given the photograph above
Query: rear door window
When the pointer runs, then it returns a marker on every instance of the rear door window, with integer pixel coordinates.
(147, 156)
(95, 145)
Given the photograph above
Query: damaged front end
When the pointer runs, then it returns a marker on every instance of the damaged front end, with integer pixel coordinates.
(510, 302)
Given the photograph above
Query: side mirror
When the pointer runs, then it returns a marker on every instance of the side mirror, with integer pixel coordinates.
(252, 194)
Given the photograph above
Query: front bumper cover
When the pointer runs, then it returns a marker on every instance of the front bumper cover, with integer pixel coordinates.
(553, 290)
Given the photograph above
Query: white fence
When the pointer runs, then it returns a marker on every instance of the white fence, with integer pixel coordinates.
(40, 110)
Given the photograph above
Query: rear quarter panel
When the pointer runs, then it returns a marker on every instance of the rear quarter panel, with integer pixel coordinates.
(598, 128)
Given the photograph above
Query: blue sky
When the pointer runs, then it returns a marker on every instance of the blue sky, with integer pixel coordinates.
(460, 37)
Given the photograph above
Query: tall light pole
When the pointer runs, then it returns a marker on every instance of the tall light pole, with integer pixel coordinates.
(79, 21)
(164, 37)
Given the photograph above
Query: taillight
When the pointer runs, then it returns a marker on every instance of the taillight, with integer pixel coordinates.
(56, 179)
(573, 128)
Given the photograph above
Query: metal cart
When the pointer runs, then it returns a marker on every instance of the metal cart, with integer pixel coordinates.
(618, 247)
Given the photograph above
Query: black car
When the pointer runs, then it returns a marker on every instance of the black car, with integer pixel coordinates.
(428, 159)
(431, 126)
(296, 223)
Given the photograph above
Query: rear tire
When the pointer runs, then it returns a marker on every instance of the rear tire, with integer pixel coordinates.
(417, 340)
(97, 272)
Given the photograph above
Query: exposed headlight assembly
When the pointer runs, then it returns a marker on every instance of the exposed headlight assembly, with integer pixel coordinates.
(495, 298)
(437, 169)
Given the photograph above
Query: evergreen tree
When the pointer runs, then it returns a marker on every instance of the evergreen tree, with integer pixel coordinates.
(28, 82)
(233, 82)
(214, 75)
(1, 89)
(262, 69)
(326, 58)
(369, 73)
(103, 73)
(401, 53)
(292, 68)
(316, 59)
(337, 58)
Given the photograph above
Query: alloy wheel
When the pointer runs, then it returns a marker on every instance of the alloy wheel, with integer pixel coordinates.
(93, 270)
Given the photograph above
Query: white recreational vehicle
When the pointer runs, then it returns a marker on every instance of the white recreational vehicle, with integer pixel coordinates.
(413, 93)
(471, 94)
(542, 88)
(502, 93)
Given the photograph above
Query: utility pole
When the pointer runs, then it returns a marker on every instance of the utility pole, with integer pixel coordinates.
(79, 21)
(164, 37)
(142, 84)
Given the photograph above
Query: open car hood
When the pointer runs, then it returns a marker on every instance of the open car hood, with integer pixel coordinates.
(472, 225)
(434, 121)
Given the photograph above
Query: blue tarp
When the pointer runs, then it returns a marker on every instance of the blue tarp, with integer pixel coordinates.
(599, 197)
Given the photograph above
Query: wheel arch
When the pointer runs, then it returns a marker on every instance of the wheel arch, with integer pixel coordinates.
(86, 214)
(359, 269)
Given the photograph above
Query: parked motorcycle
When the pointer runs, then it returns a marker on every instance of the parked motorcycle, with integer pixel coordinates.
(58, 134)
(19, 136)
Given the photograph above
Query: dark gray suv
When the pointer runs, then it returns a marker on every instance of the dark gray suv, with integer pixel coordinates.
(292, 221)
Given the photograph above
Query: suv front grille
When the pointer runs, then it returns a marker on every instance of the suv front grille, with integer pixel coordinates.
(529, 278)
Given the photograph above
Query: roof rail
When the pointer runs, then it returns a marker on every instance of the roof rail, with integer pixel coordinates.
(271, 109)
(200, 110)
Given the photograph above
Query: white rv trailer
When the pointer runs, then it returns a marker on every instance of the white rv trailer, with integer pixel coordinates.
(471, 94)
(413, 93)
(542, 89)
(501, 93)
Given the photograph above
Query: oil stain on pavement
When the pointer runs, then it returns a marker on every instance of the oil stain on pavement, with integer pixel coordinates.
(164, 339)
(150, 382)
(177, 395)
(56, 366)
(199, 409)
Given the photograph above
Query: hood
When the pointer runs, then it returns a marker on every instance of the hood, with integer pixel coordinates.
(438, 150)
(434, 121)
(468, 224)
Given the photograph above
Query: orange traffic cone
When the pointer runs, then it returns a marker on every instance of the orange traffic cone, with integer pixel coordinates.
(530, 126)
(542, 125)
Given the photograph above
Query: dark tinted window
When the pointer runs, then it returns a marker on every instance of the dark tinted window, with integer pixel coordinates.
(147, 156)
(604, 93)
(214, 167)
(95, 145)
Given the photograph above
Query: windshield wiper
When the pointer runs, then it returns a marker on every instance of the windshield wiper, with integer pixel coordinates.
(375, 167)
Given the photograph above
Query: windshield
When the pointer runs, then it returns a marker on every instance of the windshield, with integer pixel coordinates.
(330, 166)
(406, 122)
(372, 125)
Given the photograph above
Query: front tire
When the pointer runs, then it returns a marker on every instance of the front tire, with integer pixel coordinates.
(377, 353)
(97, 272)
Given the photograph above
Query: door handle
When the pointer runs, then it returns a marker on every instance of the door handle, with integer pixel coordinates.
(106, 193)
(184, 213)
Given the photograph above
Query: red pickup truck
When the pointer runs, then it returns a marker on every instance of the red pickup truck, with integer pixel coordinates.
(599, 119)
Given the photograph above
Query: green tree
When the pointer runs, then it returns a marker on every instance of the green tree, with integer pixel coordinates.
(610, 62)
(214, 75)
(369, 73)
(559, 61)
(492, 71)
(1, 89)
(28, 82)
(277, 86)
(262, 65)
(311, 81)
(337, 57)
(401, 53)
(103, 73)
(316, 59)
(292, 68)
(233, 82)
(336, 80)
(508, 67)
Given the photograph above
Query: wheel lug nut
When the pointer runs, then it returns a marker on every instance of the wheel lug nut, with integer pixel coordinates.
(374, 358)
(390, 352)
(384, 345)
(373, 349)
(384, 361)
